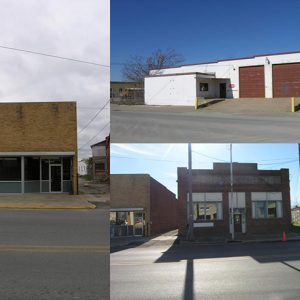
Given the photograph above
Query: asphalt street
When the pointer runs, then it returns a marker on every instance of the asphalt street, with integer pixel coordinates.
(181, 127)
(160, 270)
(54, 254)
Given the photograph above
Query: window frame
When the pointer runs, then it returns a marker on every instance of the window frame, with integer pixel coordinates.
(203, 85)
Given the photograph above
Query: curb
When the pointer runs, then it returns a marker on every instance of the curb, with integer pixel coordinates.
(125, 246)
(43, 206)
(239, 242)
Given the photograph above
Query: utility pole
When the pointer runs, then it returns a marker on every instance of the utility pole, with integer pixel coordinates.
(231, 194)
(299, 153)
(190, 190)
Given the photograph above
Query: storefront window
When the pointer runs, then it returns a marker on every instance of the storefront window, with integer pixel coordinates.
(207, 211)
(272, 209)
(208, 206)
(267, 209)
(45, 169)
(67, 168)
(203, 87)
(10, 169)
(260, 209)
(266, 205)
(32, 168)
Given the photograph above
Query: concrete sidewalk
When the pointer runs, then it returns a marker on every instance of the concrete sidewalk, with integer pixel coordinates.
(290, 236)
(128, 241)
(52, 201)
(253, 106)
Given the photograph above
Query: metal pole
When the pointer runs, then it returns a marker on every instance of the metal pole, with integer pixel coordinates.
(190, 189)
(299, 153)
(231, 194)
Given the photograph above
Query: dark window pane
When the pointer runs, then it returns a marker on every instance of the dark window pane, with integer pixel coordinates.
(55, 161)
(121, 218)
(45, 169)
(10, 169)
(272, 209)
(203, 87)
(32, 168)
(67, 168)
(260, 207)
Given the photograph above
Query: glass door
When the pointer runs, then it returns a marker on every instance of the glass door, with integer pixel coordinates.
(138, 223)
(56, 179)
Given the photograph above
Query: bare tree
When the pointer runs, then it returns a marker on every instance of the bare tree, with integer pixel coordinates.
(138, 66)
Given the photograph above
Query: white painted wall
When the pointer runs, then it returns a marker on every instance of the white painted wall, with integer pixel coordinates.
(82, 168)
(223, 69)
(170, 90)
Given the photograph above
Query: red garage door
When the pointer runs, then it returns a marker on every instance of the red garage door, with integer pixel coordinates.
(252, 82)
(286, 80)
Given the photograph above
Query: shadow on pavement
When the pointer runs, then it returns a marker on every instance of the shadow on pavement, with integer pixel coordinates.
(126, 243)
(261, 252)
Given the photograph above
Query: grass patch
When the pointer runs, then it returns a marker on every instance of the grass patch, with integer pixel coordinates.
(87, 177)
(295, 227)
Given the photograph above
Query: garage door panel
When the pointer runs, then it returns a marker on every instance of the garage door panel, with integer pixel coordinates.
(286, 80)
(252, 82)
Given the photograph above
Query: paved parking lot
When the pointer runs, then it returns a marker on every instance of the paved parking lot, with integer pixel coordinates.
(231, 121)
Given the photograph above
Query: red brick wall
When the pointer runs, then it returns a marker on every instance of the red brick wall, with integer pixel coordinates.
(163, 208)
(221, 227)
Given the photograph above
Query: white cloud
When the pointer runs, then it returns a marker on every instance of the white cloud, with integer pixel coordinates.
(131, 148)
(77, 29)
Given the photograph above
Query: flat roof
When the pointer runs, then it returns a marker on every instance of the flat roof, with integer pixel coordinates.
(229, 59)
(199, 74)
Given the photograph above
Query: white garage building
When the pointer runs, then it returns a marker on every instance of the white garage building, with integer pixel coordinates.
(260, 76)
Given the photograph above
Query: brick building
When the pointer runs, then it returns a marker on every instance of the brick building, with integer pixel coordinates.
(140, 205)
(38, 147)
(101, 159)
(261, 200)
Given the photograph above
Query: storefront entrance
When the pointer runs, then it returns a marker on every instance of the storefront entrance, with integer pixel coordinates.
(56, 178)
(237, 218)
(127, 223)
(35, 174)
(138, 224)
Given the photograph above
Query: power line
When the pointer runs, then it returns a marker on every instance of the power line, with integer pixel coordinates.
(283, 162)
(82, 147)
(260, 164)
(151, 159)
(93, 118)
(209, 156)
(54, 56)
(90, 107)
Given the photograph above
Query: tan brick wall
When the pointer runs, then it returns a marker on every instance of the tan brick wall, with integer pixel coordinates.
(38, 126)
(131, 191)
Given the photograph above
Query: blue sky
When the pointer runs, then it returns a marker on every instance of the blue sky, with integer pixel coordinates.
(161, 160)
(202, 30)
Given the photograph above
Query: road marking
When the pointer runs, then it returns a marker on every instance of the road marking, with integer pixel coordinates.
(56, 248)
